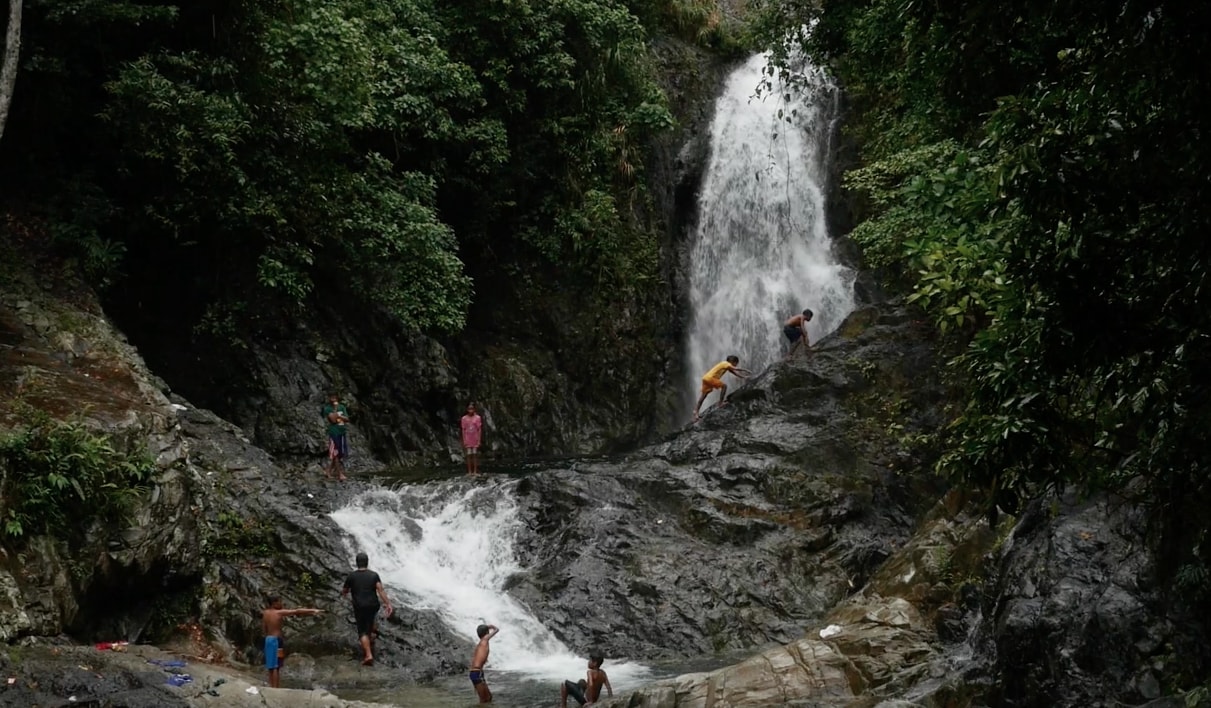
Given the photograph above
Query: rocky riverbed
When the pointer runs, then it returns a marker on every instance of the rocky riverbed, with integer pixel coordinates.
(51, 674)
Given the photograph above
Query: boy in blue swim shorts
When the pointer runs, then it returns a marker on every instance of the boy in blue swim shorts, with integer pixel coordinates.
(271, 623)
(479, 659)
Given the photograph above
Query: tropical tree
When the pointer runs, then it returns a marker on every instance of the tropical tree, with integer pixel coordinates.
(8, 64)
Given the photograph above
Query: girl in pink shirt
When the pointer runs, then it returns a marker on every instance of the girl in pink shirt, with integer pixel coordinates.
(472, 426)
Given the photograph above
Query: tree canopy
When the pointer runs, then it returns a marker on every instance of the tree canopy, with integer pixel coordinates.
(377, 145)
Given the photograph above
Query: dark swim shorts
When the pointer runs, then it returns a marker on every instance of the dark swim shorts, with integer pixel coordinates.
(365, 618)
(477, 677)
(792, 333)
(575, 692)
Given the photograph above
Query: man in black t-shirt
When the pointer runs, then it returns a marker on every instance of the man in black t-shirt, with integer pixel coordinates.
(366, 589)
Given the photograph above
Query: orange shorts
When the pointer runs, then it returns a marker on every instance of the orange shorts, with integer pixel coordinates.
(709, 385)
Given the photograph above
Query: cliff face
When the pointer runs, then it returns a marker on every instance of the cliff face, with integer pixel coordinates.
(220, 528)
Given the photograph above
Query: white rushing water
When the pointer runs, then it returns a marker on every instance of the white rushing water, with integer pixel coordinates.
(448, 547)
(762, 252)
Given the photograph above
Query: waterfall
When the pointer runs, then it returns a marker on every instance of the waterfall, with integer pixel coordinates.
(448, 547)
(761, 252)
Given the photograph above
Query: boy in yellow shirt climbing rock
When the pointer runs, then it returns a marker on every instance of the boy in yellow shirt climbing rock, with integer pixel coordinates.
(713, 380)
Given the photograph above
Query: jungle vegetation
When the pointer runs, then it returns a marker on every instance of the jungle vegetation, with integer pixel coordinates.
(394, 148)
(1036, 176)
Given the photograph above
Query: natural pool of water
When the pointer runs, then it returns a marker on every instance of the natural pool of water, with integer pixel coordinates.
(515, 690)
(534, 682)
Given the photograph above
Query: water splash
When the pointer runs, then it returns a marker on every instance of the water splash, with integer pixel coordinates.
(448, 547)
(762, 251)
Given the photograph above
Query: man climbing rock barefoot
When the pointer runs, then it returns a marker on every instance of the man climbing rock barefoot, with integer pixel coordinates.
(366, 589)
(795, 330)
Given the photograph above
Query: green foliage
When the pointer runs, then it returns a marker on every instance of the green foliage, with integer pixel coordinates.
(931, 226)
(306, 585)
(237, 537)
(697, 21)
(259, 154)
(58, 477)
(374, 149)
(79, 213)
(1036, 177)
(578, 100)
(1199, 697)
(1194, 580)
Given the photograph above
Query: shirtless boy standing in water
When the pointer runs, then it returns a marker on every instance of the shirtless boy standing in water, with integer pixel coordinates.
(479, 659)
(588, 689)
(271, 623)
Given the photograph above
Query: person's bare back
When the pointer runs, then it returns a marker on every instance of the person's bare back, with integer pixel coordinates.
(588, 689)
(795, 330)
(597, 679)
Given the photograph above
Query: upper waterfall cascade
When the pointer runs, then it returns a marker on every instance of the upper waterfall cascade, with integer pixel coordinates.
(761, 251)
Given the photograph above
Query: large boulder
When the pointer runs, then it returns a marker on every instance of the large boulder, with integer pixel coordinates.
(878, 644)
(738, 531)
(1076, 615)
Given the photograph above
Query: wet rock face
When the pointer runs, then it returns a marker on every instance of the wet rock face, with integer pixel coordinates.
(1077, 616)
(269, 534)
(877, 645)
(1058, 608)
(221, 529)
(738, 531)
(527, 367)
(62, 356)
